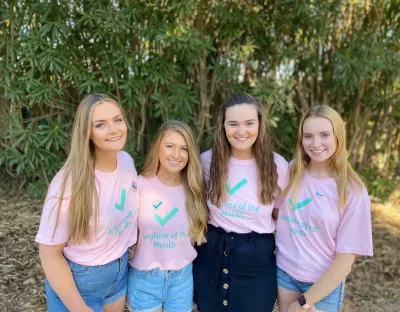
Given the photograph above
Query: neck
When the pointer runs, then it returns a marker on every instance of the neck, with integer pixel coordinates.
(242, 154)
(105, 161)
(168, 178)
(319, 170)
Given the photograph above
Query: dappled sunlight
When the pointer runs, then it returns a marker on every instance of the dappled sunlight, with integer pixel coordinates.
(374, 282)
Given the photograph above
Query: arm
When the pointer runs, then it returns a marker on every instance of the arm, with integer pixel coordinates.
(60, 277)
(275, 214)
(331, 279)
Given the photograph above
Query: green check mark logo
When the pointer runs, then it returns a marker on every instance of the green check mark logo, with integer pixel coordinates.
(157, 204)
(121, 206)
(168, 217)
(236, 188)
(299, 205)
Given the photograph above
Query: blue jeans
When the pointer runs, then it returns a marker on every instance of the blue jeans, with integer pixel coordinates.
(98, 285)
(155, 289)
(331, 303)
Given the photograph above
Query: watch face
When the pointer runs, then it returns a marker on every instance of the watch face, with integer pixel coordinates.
(302, 300)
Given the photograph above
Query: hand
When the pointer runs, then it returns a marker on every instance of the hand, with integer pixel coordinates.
(295, 307)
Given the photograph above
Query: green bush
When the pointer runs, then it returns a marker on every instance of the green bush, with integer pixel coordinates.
(181, 59)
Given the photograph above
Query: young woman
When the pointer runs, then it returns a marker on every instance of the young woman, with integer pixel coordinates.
(236, 270)
(89, 217)
(172, 215)
(324, 219)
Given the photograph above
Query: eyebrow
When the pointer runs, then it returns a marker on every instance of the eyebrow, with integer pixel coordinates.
(105, 120)
(185, 145)
(244, 121)
(317, 132)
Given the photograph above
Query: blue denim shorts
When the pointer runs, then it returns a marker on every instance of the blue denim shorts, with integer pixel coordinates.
(155, 289)
(98, 285)
(331, 303)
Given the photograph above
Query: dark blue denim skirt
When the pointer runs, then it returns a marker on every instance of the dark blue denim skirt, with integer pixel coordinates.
(235, 272)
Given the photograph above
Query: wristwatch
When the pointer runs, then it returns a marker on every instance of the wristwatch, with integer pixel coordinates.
(303, 302)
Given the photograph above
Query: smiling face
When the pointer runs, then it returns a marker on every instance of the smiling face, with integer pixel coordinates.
(108, 132)
(173, 153)
(241, 129)
(318, 141)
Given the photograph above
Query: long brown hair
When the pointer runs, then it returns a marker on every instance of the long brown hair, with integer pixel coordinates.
(191, 176)
(342, 171)
(78, 174)
(221, 152)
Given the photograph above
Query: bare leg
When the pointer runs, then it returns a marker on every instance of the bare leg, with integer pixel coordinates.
(286, 298)
(116, 306)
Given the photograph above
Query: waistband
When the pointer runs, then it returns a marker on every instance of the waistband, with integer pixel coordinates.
(221, 231)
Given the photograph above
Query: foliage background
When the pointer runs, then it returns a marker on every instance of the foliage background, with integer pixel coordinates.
(166, 59)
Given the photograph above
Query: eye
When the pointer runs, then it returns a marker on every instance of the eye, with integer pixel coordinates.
(99, 125)
(169, 146)
(307, 136)
(119, 120)
(184, 149)
(250, 123)
(325, 135)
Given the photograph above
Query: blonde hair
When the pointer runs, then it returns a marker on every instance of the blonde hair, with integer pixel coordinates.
(342, 171)
(191, 175)
(78, 173)
(262, 147)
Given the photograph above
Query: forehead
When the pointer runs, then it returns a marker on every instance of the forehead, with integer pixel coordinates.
(174, 137)
(105, 110)
(317, 124)
(241, 112)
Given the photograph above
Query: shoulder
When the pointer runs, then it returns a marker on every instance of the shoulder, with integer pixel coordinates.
(56, 182)
(124, 156)
(280, 162)
(145, 182)
(142, 179)
(126, 161)
(206, 156)
(358, 196)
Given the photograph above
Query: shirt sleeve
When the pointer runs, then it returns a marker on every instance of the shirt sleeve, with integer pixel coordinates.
(355, 230)
(205, 160)
(52, 231)
(283, 180)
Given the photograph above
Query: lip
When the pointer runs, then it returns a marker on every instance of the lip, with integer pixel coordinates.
(174, 162)
(114, 139)
(318, 151)
(241, 139)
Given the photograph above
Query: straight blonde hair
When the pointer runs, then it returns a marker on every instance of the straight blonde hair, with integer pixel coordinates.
(342, 172)
(191, 175)
(78, 174)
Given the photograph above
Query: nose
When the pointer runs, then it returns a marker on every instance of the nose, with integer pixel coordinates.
(241, 130)
(316, 141)
(112, 128)
(176, 153)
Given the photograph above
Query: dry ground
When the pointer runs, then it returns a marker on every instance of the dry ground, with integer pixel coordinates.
(373, 285)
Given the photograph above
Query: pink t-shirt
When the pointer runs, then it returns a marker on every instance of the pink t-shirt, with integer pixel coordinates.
(242, 212)
(311, 230)
(117, 227)
(163, 240)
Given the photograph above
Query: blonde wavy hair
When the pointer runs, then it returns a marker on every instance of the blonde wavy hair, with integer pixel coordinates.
(191, 176)
(78, 175)
(342, 172)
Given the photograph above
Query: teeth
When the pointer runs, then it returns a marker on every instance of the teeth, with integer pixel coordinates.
(173, 162)
(319, 151)
(241, 139)
(114, 139)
